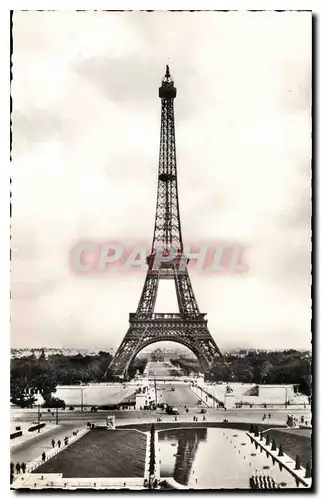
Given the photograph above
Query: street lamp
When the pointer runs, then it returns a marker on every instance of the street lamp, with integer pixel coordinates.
(155, 391)
(82, 398)
(38, 419)
(310, 382)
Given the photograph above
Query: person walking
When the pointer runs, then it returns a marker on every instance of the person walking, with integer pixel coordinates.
(53, 443)
(18, 468)
(23, 467)
(43, 456)
(59, 443)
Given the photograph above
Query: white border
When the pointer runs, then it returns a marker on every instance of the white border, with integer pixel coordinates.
(313, 5)
(164, 5)
(4, 245)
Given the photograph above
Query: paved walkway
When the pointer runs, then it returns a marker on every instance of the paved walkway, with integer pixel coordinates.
(249, 416)
(29, 436)
(31, 448)
(38, 461)
(39, 482)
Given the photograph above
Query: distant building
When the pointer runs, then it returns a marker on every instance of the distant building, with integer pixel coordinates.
(52, 351)
(157, 355)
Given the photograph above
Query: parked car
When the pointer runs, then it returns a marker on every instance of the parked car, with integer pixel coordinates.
(203, 410)
(172, 410)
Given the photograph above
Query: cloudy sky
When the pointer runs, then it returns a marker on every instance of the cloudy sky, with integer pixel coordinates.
(86, 124)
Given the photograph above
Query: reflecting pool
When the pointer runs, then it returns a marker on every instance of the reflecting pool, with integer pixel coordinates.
(213, 458)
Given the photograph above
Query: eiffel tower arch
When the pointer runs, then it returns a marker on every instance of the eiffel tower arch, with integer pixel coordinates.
(167, 261)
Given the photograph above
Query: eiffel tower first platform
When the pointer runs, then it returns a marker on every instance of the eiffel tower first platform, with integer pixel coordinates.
(189, 326)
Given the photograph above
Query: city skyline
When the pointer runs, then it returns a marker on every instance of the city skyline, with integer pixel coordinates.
(147, 349)
(86, 129)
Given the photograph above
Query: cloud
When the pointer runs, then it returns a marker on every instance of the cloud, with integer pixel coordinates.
(86, 126)
(37, 126)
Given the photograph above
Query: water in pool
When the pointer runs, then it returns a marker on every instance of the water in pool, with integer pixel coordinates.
(213, 458)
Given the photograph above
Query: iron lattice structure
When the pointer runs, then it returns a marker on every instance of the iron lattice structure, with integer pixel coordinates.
(189, 326)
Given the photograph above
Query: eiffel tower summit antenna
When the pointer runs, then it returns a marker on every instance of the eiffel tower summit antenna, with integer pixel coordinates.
(189, 326)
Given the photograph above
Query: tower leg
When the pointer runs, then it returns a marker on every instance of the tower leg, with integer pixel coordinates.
(196, 338)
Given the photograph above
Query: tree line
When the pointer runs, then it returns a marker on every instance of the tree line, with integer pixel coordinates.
(258, 367)
(30, 375)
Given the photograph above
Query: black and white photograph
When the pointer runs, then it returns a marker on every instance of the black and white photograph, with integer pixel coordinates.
(160, 250)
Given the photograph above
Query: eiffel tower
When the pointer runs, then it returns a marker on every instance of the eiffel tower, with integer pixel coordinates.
(189, 326)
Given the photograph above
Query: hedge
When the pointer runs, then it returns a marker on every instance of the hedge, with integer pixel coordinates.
(15, 434)
(37, 426)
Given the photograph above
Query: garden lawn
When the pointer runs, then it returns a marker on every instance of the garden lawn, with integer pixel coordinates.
(294, 442)
(101, 453)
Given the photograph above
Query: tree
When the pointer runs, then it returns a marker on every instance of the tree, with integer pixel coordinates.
(46, 383)
(265, 367)
(138, 364)
(20, 393)
(54, 403)
(188, 366)
(29, 374)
